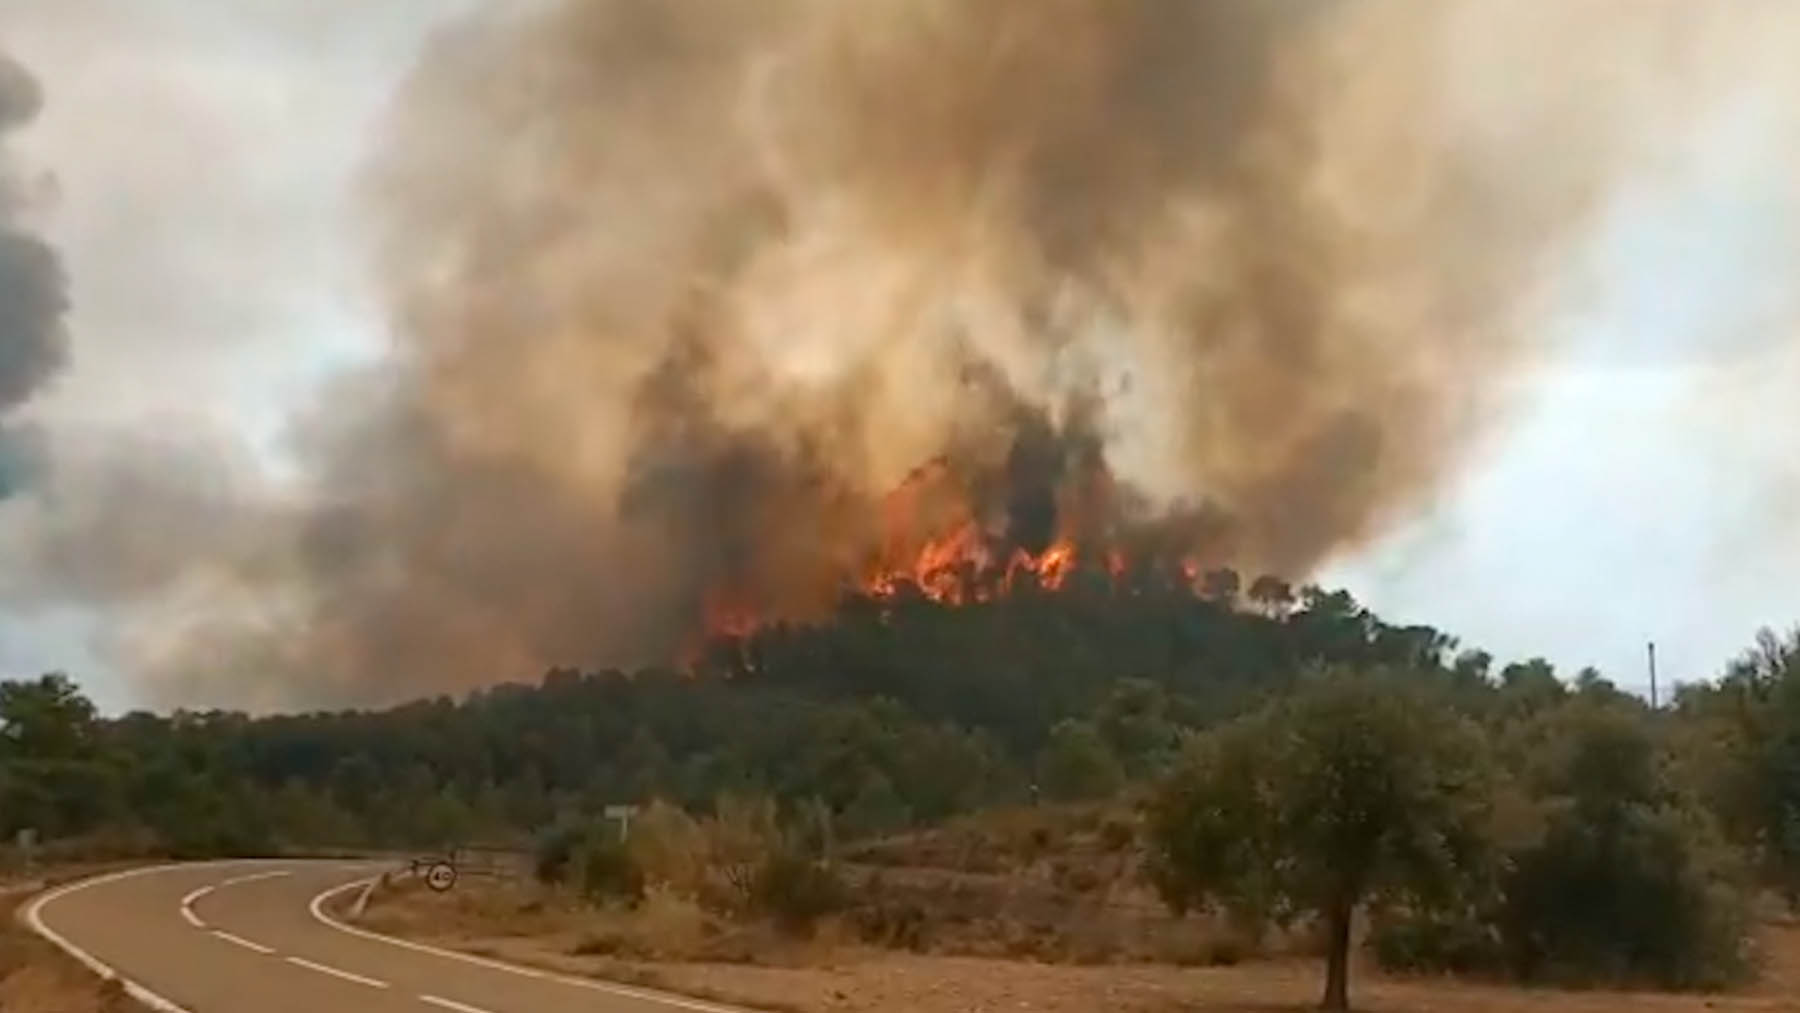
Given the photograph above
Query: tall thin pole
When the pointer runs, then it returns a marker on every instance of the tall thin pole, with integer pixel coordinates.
(1652, 675)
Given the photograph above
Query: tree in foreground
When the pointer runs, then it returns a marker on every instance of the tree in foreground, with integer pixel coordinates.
(1360, 787)
(1626, 882)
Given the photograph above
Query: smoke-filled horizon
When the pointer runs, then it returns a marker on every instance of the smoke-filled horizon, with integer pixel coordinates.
(681, 292)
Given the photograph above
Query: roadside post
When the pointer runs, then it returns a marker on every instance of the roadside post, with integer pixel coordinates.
(623, 814)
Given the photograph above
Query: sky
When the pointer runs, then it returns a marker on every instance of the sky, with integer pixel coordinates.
(1639, 481)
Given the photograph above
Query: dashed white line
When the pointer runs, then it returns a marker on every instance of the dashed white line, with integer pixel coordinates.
(451, 1004)
(193, 896)
(253, 877)
(187, 906)
(33, 914)
(241, 941)
(336, 972)
(317, 907)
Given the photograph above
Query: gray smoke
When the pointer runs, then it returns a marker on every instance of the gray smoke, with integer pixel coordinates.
(685, 293)
(33, 299)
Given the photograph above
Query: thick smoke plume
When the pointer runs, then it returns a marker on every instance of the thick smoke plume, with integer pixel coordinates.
(689, 294)
(32, 298)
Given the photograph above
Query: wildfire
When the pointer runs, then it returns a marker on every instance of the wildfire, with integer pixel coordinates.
(729, 616)
(932, 544)
(960, 567)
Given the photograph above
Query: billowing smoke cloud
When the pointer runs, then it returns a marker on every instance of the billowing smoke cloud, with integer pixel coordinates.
(32, 299)
(683, 291)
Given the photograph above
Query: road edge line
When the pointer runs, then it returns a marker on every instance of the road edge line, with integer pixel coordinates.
(31, 914)
(317, 907)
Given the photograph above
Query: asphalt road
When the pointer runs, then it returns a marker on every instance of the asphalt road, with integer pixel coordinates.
(254, 937)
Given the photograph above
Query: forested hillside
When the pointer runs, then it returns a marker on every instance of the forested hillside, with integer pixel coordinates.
(897, 712)
(1565, 830)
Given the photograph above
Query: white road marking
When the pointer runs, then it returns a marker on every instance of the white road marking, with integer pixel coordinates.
(34, 920)
(241, 941)
(193, 897)
(317, 907)
(336, 972)
(253, 877)
(451, 1004)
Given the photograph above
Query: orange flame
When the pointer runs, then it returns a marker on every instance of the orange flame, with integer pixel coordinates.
(931, 544)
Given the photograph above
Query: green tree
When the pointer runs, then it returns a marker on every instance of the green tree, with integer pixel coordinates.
(1077, 763)
(53, 777)
(1531, 686)
(1273, 595)
(877, 809)
(46, 719)
(1359, 787)
(1627, 881)
(1221, 586)
(1745, 732)
(1135, 723)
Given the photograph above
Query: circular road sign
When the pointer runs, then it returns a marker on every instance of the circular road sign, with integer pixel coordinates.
(441, 876)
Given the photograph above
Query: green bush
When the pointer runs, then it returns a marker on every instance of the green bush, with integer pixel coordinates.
(1427, 942)
(1622, 880)
(1635, 897)
(1628, 882)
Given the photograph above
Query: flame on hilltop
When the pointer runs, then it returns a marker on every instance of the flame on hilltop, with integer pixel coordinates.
(961, 567)
(937, 544)
(934, 542)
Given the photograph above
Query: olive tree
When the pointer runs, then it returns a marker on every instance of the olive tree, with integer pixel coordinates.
(1360, 786)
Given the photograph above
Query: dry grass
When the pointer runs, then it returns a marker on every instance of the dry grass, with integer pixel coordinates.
(37, 978)
(668, 946)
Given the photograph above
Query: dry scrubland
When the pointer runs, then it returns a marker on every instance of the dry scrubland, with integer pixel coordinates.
(1020, 911)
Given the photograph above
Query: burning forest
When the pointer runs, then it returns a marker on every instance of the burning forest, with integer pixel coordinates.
(1051, 512)
(705, 313)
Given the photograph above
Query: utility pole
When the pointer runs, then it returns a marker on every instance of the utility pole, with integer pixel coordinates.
(1652, 675)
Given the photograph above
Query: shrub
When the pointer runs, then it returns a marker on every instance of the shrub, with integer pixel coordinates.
(740, 839)
(1074, 877)
(898, 924)
(670, 848)
(1613, 877)
(796, 892)
(1628, 882)
(1635, 896)
(555, 848)
(608, 872)
(1414, 941)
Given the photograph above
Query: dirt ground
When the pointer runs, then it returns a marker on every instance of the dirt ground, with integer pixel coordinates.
(835, 977)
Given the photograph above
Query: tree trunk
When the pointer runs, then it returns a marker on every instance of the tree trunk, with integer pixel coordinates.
(1337, 966)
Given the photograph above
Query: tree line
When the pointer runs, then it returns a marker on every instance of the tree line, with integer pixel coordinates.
(1296, 757)
(894, 713)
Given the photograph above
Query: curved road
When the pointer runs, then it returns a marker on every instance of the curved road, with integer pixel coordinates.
(254, 937)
